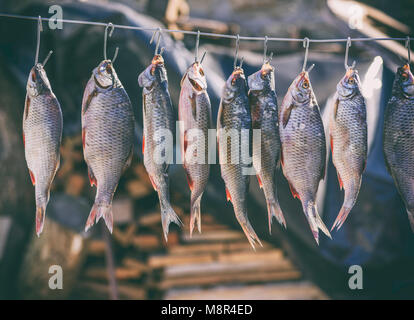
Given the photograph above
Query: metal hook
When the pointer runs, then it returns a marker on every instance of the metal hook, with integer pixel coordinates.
(109, 25)
(196, 46)
(39, 29)
(158, 31)
(47, 58)
(265, 49)
(202, 58)
(348, 45)
(306, 46)
(407, 45)
(237, 51)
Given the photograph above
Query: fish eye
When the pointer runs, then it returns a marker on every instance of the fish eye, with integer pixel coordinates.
(201, 71)
(404, 76)
(351, 80)
(305, 85)
(108, 68)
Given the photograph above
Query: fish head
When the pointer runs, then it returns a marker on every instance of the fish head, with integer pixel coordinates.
(235, 84)
(105, 75)
(405, 80)
(196, 77)
(349, 84)
(262, 79)
(37, 81)
(301, 89)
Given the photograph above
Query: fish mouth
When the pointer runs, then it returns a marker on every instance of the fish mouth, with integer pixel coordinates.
(237, 73)
(158, 60)
(266, 69)
(406, 67)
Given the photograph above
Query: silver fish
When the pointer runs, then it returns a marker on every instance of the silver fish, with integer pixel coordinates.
(234, 115)
(303, 147)
(42, 135)
(194, 110)
(266, 154)
(348, 137)
(107, 136)
(158, 117)
(399, 137)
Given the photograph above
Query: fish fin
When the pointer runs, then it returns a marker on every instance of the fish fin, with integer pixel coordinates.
(195, 215)
(295, 194)
(341, 184)
(228, 196)
(32, 177)
(335, 109)
(411, 219)
(260, 181)
(92, 179)
(99, 211)
(274, 210)
(249, 231)
(331, 141)
(26, 107)
(40, 218)
(281, 156)
(83, 137)
(340, 219)
(315, 221)
(168, 215)
(89, 94)
(286, 115)
(143, 144)
(128, 159)
(153, 183)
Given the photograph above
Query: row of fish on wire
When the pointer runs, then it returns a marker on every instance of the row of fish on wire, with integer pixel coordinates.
(292, 135)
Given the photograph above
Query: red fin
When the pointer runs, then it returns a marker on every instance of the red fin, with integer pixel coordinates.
(143, 144)
(83, 137)
(331, 144)
(185, 142)
(190, 182)
(26, 107)
(228, 196)
(92, 178)
(341, 184)
(32, 177)
(153, 184)
(294, 192)
(260, 182)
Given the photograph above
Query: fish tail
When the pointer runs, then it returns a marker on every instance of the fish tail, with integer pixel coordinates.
(99, 211)
(195, 214)
(40, 218)
(168, 215)
(315, 221)
(274, 210)
(349, 201)
(248, 229)
(411, 219)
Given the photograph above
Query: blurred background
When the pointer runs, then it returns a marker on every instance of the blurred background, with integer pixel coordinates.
(135, 262)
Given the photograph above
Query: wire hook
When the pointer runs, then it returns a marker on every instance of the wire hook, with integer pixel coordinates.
(407, 45)
(348, 45)
(306, 46)
(158, 31)
(196, 46)
(109, 25)
(265, 49)
(236, 54)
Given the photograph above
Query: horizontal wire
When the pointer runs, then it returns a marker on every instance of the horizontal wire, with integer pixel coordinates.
(206, 34)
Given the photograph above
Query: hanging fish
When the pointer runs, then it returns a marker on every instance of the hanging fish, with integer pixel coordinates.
(42, 135)
(107, 137)
(194, 110)
(266, 154)
(303, 155)
(158, 116)
(399, 137)
(234, 115)
(348, 137)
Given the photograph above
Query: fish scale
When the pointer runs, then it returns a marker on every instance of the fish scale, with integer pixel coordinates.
(398, 138)
(303, 147)
(348, 136)
(234, 114)
(108, 132)
(42, 134)
(266, 154)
